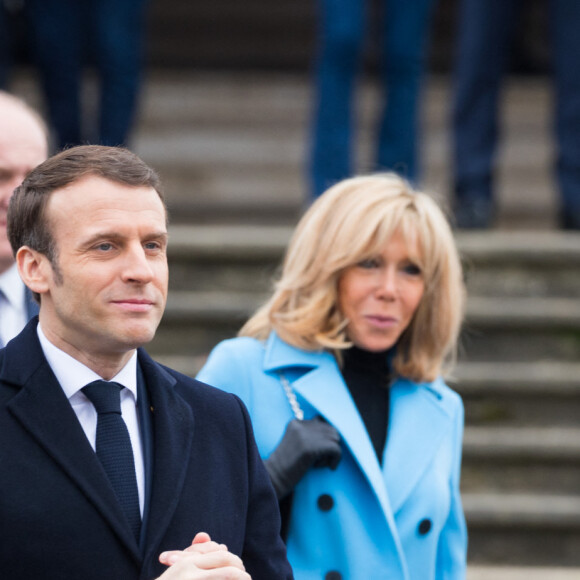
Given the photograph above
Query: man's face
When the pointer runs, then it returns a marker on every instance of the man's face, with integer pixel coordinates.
(22, 148)
(108, 291)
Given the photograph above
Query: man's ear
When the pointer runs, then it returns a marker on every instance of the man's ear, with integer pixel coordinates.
(34, 269)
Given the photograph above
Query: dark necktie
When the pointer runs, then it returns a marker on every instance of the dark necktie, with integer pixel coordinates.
(113, 447)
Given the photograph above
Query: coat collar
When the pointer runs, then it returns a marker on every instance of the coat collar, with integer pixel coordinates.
(418, 419)
(281, 356)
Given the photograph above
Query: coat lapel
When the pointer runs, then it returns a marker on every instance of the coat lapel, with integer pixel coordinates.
(322, 387)
(173, 430)
(418, 422)
(43, 410)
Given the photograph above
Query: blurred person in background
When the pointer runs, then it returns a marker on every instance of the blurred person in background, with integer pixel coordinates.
(111, 33)
(341, 372)
(23, 145)
(486, 30)
(343, 27)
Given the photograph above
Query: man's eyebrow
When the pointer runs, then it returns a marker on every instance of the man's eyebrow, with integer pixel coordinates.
(162, 234)
(98, 236)
(114, 235)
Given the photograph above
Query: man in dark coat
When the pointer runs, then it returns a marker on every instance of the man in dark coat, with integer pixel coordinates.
(88, 228)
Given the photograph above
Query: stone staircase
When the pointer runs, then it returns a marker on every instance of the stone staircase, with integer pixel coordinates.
(520, 380)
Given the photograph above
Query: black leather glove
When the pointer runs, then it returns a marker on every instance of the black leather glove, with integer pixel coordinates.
(306, 444)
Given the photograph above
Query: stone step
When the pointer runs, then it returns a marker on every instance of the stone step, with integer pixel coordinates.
(512, 529)
(499, 341)
(524, 312)
(554, 512)
(535, 393)
(494, 475)
(259, 34)
(519, 380)
(482, 313)
(556, 249)
(551, 444)
(538, 460)
(231, 35)
(521, 459)
(499, 329)
(521, 573)
(245, 257)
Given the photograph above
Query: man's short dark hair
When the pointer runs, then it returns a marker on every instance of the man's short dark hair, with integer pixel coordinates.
(27, 224)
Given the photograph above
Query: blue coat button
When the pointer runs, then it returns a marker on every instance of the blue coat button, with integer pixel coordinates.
(425, 526)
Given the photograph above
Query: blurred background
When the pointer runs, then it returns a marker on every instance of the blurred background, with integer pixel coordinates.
(228, 88)
(224, 114)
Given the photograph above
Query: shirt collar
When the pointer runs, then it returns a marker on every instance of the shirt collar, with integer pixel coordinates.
(74, 375)
(13, 288)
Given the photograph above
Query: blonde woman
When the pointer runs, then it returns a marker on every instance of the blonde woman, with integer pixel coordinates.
(341, 372)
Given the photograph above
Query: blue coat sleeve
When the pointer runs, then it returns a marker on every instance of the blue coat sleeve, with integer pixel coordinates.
(452, 548)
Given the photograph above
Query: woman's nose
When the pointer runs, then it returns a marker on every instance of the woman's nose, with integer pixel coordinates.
(387, 286)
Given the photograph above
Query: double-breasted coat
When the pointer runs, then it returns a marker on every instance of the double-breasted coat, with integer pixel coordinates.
(399, 520)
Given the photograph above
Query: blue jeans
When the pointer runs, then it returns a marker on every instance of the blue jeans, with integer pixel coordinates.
(486, 29)
(111, 32)
(342, 32)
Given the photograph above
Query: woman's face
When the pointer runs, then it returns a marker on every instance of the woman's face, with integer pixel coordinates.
(379, 296)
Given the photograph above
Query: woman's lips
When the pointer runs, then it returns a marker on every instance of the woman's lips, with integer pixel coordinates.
(381, 321)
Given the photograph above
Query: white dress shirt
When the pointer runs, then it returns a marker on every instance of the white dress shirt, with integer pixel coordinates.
(73, 376)
(13, 314)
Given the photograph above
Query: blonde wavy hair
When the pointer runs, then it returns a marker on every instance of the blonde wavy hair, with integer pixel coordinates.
(351, 222)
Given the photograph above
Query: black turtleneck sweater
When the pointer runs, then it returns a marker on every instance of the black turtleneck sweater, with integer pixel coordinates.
(367, 377)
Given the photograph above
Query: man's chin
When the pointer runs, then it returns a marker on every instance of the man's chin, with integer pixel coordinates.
(137, 339)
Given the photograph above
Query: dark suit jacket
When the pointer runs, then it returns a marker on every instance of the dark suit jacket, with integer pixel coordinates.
(59, 518)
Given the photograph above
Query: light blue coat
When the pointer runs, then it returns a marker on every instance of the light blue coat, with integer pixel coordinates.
(401, 521)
